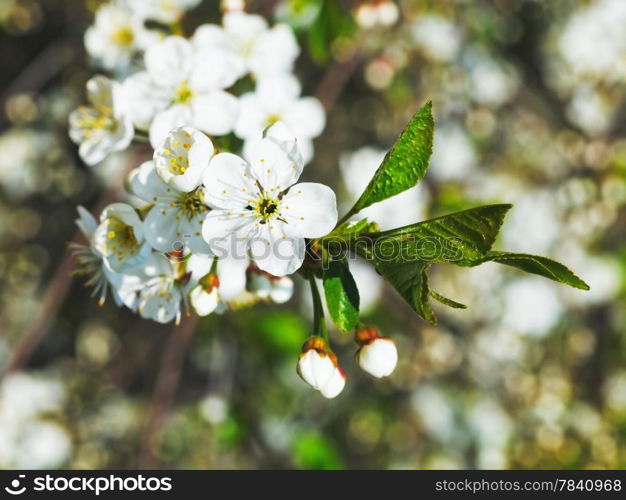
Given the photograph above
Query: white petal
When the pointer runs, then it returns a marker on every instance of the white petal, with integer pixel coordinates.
(211, 35)
(162, 229)
(272, 165)
(378, 357)
(334, 386)
(231, 272)
(147, 185)
(215, 69)
(278, 90)
(167, 120)
(86, 222)
(275, 51)
(281, 290)
(252, 118)
(226, 233)
(170, 61)
(199, 266)
(310, 210)
(315, 369)
(305, 117)
(229, 183)
(141, 98)
(215, 113)
(275, 253)
(100, 91)
(203, 302)
(95, 149)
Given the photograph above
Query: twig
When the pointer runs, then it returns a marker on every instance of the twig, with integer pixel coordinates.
(54, 295)
(166, 386)
(335, 79)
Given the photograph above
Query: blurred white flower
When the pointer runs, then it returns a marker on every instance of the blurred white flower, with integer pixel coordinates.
(267, 287)
(531, 306)
(183, 86)
(119, 237)
(357, 168)
(117, 35)
(20, 163)
(101, 127)
(376, 13)
(175, 219)
(369, 283)
(593, 41)
(163, 11)
(453, 153)
(590, 111)
(436, 37)
(492, 82)
(43, 445)
(257, 205)
(277, 98)
(264, 50)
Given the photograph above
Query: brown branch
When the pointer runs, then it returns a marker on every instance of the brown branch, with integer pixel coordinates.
(56, 291)
(165, 389)
(335, 79)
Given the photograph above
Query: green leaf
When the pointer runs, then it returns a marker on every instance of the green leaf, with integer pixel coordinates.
(463, 235)
(533, 264)
(445, 300)
(402, 256)
(405, 164)
(342, 295)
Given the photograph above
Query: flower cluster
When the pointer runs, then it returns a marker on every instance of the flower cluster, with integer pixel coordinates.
(206, 229)
(164, 80)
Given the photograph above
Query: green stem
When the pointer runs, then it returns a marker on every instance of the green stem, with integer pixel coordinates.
(319, 322)
(349, 214)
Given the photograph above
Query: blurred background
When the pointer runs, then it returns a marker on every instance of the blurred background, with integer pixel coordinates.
(530, 106)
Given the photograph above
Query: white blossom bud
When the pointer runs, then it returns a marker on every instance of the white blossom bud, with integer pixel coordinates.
(377, 355)
(318, 368)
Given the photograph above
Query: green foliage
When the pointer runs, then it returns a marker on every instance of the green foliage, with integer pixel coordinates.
(342, 295)
(405, 164)
(331, 22)
(311, 450)
(532, 264)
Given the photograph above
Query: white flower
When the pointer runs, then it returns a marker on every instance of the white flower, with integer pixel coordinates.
(100, 128)
(158, 288)
(182, 157)
(164, 11)
(183, 86)
(119, 237)
(408, 207)
(318, 368)
(438, 38)
(211, 288)
(90, 263)
(277, 98)
(377, 355)
(267, 287)
(264, 50)
(117, 34)
(175, 219)
(258, 207)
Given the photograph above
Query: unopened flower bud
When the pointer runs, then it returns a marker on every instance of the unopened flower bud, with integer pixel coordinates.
(377, 355)
(318, 368)
(204, 297)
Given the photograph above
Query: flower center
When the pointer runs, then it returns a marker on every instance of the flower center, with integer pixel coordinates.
(123, 36)
(120, 238)
(183, 93)
(271, 119)
(92, 119)
(191, 204)
(266, 208)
